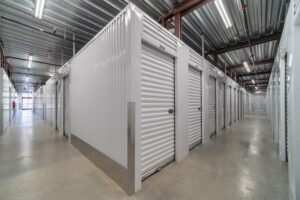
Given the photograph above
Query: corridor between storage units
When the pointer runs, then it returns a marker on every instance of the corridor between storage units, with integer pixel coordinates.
(239, 163)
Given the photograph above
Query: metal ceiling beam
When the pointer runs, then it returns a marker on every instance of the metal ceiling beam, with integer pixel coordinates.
(257, 85)
(257, 80)
(36, 28)
(40, 62)
(29, 74)
(254, 74)
(261, 62)
(185, 7)
(241, 45)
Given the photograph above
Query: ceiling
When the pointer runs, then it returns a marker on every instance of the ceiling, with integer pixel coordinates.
(50, 40)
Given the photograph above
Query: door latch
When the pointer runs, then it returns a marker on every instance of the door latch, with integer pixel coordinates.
(171, 111)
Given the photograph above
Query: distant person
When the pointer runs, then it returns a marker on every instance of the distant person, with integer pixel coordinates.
(14, 108)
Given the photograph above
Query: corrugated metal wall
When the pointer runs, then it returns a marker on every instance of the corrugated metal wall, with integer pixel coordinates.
(8, 95)
(38, 103)
(99, 92)
(50, 110)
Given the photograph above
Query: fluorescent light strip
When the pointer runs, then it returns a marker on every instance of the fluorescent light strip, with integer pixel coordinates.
(39, 8)
(30, 59)
(291, 59)
(246, 66)
(220, 6)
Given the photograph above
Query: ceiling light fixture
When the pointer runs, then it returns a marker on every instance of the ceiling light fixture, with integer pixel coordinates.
(39, 8)
(246, 66)
(291, 59)
(30, 59)
(256, 88)
(220, 6)
(253, 81)
(27, 78)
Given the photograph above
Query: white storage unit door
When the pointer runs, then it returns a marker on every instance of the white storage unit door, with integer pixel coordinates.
(230, 104)
(286, 114)
(66, 110)
(57, 106)
(212, 106)
(157, 110)
(234, 104)
(195, 107)
(222, 105)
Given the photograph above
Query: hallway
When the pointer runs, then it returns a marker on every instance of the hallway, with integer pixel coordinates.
(240, 163)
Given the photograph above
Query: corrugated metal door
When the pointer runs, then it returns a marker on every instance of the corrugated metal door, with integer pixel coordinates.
(66, 110)
(238, 105)
(195, 107)
(234, 104)
(212, 106)
(57, 105)
(157, 110)
(222, 105)
(230, 104)
(286, 114)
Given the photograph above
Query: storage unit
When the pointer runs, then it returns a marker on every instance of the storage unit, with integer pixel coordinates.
(8, 94)
(234, 104)
(57, 105)
(137, 102)
(212, 106)
(66, 107)
(229, 96)
(195, 106)
(222, 105)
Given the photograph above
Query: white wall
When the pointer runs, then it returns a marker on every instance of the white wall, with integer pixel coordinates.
(38, 103)
(8, 94)
(99, 91)
(276, 98)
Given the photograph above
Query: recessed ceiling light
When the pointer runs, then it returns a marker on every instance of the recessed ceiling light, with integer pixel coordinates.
(220, 6)
(39, 8)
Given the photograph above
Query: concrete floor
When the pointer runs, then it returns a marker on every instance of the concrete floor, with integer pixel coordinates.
(240, 163)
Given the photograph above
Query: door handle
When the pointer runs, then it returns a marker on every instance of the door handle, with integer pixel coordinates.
(200, 109)
(171, 111)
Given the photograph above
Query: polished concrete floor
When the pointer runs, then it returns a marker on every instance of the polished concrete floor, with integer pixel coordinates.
(240, 163)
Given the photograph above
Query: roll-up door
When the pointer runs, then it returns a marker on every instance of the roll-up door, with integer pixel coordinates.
(67, 116)
(57, 106)
(242, 105)
(195, 107)
(212, 106)
(230, 104)
(222, 105)
(157, 110)
(238, 105)
(234, 104)
(286, 90)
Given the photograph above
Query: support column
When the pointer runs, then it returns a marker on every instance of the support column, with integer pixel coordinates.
(74, 45)
(178, 25)
(216, 60)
